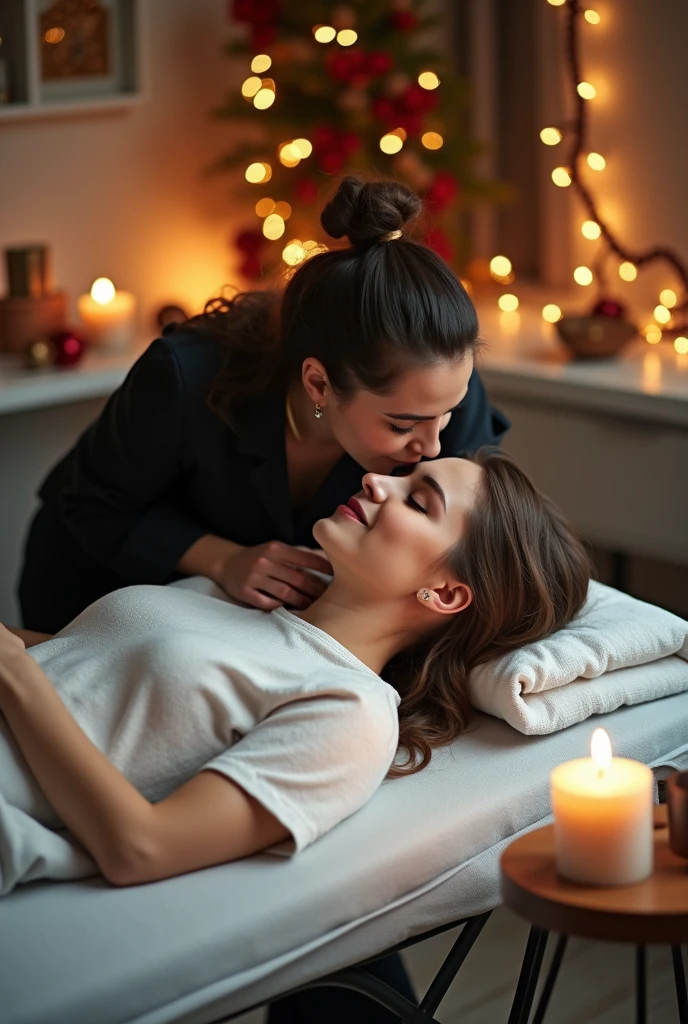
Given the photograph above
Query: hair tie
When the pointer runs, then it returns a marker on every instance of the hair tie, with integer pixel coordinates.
(390, 236)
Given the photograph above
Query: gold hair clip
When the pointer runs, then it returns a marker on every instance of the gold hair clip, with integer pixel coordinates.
(390, 236)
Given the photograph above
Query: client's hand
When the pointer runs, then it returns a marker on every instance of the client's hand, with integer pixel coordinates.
(274, 574)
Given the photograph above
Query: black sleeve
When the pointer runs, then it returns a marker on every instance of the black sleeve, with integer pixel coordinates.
(474, 423)
(118, 495)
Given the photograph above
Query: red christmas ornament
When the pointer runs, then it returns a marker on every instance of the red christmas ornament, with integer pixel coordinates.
(404, 21)
(249, 241)
(442, 191)
(349, 142)
(331, 161)
(383, 108)
(608, 307)
(251, 267)
(306, 190)
(413, 100)
(263, 36)
(68, 347)
(378, 63)
(323, 137)
(438, 241)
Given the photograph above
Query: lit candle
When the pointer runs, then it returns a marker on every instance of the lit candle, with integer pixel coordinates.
(603, 817)
(108, 315)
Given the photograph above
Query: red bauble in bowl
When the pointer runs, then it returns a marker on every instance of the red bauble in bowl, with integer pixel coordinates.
(595, 337)
(67, 346)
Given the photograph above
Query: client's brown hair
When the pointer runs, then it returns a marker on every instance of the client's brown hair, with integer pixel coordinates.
(528, 571)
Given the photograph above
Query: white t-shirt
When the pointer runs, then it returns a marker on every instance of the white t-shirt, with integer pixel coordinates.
(169, 681)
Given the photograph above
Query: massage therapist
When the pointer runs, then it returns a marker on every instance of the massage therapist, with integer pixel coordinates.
(231, 436)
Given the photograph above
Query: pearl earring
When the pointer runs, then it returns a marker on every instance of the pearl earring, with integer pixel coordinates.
(423, 595)
(317, 412)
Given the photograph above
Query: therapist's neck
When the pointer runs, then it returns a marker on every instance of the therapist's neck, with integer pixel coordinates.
(374, 631)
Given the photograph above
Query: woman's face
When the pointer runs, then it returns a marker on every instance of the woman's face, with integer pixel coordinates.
(382, 432)
(391, 535)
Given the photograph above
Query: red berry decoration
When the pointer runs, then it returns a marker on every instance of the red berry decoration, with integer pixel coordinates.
(378, 63)
(68, 347)
(608, 307)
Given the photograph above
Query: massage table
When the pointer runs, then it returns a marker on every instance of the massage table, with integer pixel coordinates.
(422, 855)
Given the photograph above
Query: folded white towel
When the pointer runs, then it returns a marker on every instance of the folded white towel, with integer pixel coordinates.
(612, 633)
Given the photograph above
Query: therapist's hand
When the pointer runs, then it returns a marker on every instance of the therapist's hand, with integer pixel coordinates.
(274, 574)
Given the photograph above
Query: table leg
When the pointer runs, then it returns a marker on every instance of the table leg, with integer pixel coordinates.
(550, 980)
(680, 979)
(528, 978)
(640, 986)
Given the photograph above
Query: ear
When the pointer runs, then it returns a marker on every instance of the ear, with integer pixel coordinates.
(446, 599)
(314, 377)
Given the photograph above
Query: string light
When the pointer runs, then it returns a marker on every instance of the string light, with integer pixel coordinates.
(265, 206)
(556, 3)
(432, 140)
(592, 17)
(303, 147)
(391, 143)
(264, 98)
(282, 210)
(508, 303)
(582, 275)
(551, 313)
(293, 253)
(681, 346)
(428, 80)
(500, 267)
(273, 226)
(261, 64)
(250, 87)
(668, 297)
(258, 173)
(591, 229)
(324, 33)
(653, 334)
(289, 154)
(561, 176)
(662, 314)
(586, 90)
(347, 37)
(596, 161)
(550, 136)
(627, 271)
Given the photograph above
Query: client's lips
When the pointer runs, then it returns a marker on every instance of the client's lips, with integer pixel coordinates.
(357, 508)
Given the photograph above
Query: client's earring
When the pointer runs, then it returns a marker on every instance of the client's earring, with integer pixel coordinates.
(424, 595)
(317, 412)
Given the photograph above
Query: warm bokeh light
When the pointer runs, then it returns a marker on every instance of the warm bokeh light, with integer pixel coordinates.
(265, 206)
(250, 87)
(508, 303)
(293, 253)
(582, 275)
(102, 291)
(561, 176)
(652, 333)
(428, 80)
(550, 136)
(668, 297)
(282, 210)
(556, 3)
(54, 35)
(258, 173)
(289, 154)
(592, 17)
(596, 161)
(591, 229)
(263, 99)
(681, 346)
(261, 64)
(273, 226)
(662, 314)
(303, 146)
(551, 313)
(324, 33)
(401, 132)
(391, 143)
(586, 90)
(500, 266)
(432, 140)
(347, 37)
(627, 271)
(601, 750)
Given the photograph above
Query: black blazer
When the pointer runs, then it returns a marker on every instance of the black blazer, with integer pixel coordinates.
(158, 469)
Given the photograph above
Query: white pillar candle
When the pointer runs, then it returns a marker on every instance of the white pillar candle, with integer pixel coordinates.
(603, 820)
(107, 315)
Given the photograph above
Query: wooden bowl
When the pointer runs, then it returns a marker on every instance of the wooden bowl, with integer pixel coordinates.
(595, 337)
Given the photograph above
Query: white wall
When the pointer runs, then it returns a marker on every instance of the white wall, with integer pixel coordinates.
(124, 195)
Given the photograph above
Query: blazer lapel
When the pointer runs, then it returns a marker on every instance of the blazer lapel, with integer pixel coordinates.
(261, 437)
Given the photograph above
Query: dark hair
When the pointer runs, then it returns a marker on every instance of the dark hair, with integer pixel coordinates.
(368, 311)
(528, 571)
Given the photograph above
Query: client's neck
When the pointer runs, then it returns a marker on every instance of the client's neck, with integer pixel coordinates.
(373, 631)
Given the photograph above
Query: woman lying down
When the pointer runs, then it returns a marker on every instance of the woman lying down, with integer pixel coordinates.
(166, 729)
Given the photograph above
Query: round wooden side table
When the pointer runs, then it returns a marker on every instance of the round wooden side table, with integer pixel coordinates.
(649, 912)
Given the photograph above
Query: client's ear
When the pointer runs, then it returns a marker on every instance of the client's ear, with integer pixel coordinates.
(447, 599)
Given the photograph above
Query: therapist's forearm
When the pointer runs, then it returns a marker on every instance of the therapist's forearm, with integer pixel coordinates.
(94, 800)
(207, 557)
(29, 636)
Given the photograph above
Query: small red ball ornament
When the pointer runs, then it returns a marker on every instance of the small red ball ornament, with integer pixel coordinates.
(68, 347)
(608, 307)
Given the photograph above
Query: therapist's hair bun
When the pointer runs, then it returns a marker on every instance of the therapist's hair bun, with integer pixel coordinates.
(367, 211)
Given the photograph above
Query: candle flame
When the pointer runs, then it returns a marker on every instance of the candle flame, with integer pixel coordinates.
(103, 291)
(601, 750)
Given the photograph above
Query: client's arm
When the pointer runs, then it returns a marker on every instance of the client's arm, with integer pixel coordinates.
(207, 821)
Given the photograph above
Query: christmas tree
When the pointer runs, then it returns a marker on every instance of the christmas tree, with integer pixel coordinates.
(346, 88)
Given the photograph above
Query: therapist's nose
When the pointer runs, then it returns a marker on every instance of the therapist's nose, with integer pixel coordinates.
(427, 443)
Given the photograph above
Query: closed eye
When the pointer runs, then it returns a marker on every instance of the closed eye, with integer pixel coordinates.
(412, 503)
(400, 430)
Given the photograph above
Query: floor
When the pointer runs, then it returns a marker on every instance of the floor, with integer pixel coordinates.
(595, 985)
